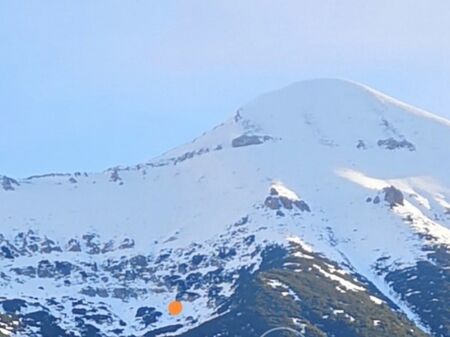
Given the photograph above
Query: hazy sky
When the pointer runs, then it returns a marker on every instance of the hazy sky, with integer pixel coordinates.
(85, 85)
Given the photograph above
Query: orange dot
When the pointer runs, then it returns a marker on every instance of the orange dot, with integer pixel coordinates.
(175, 308)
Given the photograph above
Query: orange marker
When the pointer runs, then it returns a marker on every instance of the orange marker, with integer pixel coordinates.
(175, 308)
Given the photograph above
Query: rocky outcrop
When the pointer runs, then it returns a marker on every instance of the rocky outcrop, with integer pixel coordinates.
(394, 144)
(115, 177)
(272, 202)
(361, 145)
(393, 196)
(8, 184)
(246, 140)
(276, 202)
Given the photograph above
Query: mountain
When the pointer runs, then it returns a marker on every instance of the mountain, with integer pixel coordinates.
(322, 208)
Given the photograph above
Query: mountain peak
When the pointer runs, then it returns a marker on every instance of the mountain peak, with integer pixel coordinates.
(334, 98)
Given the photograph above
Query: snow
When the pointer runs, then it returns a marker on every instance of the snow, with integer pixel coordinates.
(286, 290)
(376, 300)
(284, 191)
(343, 282)
(298, 241)
(315, 128)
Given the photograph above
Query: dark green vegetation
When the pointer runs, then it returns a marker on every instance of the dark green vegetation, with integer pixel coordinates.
(292, 291)
(6, 324)
(426, 287)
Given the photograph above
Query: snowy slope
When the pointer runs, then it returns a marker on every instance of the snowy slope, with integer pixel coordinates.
(372, 171)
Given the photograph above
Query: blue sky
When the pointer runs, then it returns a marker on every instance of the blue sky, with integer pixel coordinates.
(85, 85)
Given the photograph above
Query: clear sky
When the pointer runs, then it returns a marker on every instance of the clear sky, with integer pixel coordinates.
(86, 85)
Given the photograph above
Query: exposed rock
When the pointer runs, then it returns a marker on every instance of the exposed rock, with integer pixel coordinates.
(126, 243)
(392, 144)
(92, 244)
(73, 246)
(197, 259)
(108, 247)
(101, 292)
(237, 116)
(182, 268)
(272, 202)
(114, 177)
(277, 202)
(46, 269)
(361, 145)
(148, 315)
(8, 252)
(241, 222)
(26, 271)
(9, 184)
(188, 296)
(302, 206)
(225, 252)
(393, 196)
(286, 202)
(139, 261)
(49, 175)
(48, 246)
(63, 268)
(72, 180)
(246, 140)
(13, 306)
(124, 293)
(191, 154)
(89, 291)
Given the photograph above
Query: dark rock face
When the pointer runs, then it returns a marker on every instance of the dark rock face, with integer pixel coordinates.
(13, 306)
(8, 184)
(303, 206)
(148, 315)
(127, 243)
(72, 180)
(48, 246)
(49, 175)
(286, 202)
(115, 177)
(393, 144)
(272, 203)
(278, 202)
(361, 145)
(45, 269)
(73, 246)
(29, 271)
(192, 154)
(246, 140)
(393, 196)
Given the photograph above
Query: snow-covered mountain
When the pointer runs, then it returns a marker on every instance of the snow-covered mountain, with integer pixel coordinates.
(327, 197)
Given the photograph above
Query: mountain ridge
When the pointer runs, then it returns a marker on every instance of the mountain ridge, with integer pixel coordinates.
(337, 82)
